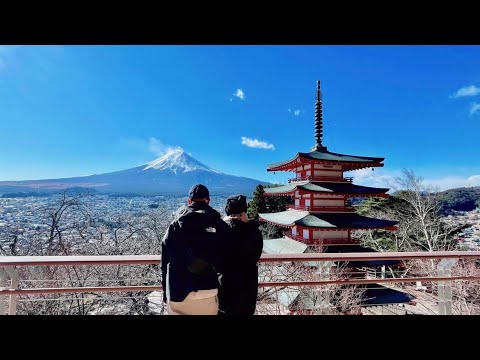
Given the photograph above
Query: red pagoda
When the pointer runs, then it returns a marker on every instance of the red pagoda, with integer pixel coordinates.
(320, 217)
(320, 214)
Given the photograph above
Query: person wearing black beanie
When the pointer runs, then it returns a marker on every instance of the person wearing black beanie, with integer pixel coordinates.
(239, 282)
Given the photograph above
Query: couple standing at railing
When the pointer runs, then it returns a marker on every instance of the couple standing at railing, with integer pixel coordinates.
(209, 265)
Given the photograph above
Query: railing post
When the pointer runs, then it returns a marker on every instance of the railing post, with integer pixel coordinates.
(323, 292)
(444, 269)
(3, 284)
(12, 306)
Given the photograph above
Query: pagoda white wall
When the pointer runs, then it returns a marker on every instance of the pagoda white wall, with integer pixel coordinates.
(323, 166)
(338, 174)
(313, 200)
(330, 197)
(319, 170)
(320, 235)
(334, 203)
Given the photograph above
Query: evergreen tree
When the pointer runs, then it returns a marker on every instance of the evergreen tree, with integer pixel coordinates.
(258, 203)
(277, 203)
(267, 204)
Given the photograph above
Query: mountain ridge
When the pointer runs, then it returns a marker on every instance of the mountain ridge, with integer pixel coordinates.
(173, 173)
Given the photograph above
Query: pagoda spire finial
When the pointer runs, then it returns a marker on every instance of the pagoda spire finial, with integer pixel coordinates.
(318, 121)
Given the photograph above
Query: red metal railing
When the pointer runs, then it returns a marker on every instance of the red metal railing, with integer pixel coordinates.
(11, 263)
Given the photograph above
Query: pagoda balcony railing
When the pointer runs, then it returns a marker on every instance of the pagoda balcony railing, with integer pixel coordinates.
(14, 288)
(325, 241)
(321, 178)
(321, 208)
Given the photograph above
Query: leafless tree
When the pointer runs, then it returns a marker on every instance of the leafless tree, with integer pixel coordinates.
(427, 228)
(313, 300)
(421, 226)
(74, 230)
(466, 294)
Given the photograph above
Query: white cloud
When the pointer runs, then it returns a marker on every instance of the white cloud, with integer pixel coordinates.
(156, 147)
(151, 144)
(382, 178)
(170, 150)
(240, 94)
(471, 90)
(451, 182)
(254, 143)
(377, 178)
(474, 107)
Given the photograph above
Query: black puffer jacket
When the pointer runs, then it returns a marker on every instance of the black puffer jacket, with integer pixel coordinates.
(238, 291)
(190, 251)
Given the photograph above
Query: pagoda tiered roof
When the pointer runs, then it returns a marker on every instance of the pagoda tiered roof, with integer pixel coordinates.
(283, 245)
(370, 295)
(356, 248)
(376, 294)
(337, 188)
(287, 245)
(322, 155)
(291, 218)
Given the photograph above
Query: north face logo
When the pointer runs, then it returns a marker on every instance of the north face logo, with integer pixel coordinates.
(211, 230)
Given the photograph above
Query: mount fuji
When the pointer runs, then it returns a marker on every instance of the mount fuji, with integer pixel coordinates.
(173, 173)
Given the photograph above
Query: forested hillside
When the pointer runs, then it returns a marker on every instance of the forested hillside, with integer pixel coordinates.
(460, 199)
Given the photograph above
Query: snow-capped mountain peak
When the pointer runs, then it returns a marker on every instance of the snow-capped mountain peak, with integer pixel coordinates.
(178, 161)
(173, 173)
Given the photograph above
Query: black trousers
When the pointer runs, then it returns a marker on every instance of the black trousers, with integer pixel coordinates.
(237, 296)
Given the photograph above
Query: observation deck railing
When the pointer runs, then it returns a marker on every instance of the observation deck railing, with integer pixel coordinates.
(12, 287)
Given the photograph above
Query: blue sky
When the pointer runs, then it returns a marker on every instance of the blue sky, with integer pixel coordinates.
(78, 110)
